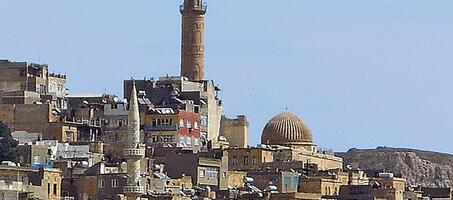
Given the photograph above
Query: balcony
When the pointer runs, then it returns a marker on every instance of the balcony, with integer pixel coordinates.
(137, 190)
(202, 9)
(135, 152)
(162, 128)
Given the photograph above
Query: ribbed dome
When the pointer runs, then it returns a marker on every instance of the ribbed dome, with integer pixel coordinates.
(286, 129)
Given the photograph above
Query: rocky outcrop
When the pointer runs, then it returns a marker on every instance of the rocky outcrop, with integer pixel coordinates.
(424, 168)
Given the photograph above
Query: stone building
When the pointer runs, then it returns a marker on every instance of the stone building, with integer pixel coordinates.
(31, 81)
(363, 192)
(174, 92)
(33, 155)
(327, 184)
(115, 128)
(38, 118)
(389, 181)
(236, 131)
(172, 127)
(43, 183)
(286, 182)
(249, 159)
(207, 169)
(287, 129)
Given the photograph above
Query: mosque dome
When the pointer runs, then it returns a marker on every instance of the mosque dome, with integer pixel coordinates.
(287, 129)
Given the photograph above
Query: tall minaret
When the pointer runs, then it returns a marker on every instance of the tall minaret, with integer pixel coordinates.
(134, 152)
(192, 44)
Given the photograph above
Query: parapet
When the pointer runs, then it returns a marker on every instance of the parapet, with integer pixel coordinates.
(240, 120)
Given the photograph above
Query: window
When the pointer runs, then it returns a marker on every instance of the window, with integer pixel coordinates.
(235, 160)
(36, 160)
(254, 160)
(246, 160)
(195, 125)
(204, 120)
(114, 183)
(114, 106)
(196, 109)
(48, 188)
(54, 189)
(120, 123)
(164, 122)
(181, 123)
(101, 183)
(202, 173)
(69, 135)
(189, 124)
(211, 173)
(22, 73)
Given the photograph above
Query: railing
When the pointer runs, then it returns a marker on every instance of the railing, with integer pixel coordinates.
(162, 128)
(139, 152)
(203, 8)
(134, 190)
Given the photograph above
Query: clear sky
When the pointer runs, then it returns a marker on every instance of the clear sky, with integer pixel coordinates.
(362, 73)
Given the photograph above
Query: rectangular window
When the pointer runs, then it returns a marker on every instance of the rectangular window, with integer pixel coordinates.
(235, 160)
(22, 73)
(202, 173)
(181, 123)
(48, 188)
(255, 160)
(195, 125)
(196, 109)
(101, 183)
(54, 189)
(114, 183)
(246, 160)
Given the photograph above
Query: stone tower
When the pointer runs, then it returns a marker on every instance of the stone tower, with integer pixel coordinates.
(236, 131)
(192, 41)
(134, 151)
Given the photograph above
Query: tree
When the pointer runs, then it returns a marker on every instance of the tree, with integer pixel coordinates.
(7, 144)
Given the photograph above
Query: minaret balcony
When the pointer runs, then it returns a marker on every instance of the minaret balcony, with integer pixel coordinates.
(201, 8)
(134, 190)
(134, 152)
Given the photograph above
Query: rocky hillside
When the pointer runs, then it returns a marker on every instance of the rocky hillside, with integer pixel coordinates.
(417, 167)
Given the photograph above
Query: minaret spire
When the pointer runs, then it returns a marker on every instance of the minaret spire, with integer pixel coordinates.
(192, 39)
(135, 150)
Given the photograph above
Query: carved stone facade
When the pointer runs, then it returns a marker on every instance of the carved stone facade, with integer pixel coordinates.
(192, 46)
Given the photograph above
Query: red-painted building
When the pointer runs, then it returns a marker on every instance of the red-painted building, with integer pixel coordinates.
(168, 127)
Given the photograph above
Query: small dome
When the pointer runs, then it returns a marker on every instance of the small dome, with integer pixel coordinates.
(287, 129)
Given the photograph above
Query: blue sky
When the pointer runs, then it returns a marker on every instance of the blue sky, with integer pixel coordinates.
(361, 73)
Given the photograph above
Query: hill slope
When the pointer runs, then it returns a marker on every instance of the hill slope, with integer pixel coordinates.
(418, 167)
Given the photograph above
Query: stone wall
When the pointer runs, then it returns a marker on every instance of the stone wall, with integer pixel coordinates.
(11, 79)
(235, 130)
